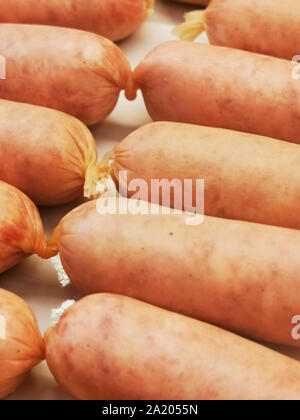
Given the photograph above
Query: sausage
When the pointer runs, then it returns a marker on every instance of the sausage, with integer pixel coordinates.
(163, 356)
(250, 25)
(48, 155)
(21, 344)
(246, 177)
(114, 19)
(237, 275)
(221, 87)
(21, 230)
(73, 71)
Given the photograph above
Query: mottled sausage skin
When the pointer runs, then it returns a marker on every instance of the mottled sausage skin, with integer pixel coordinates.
(73, 71)
(221, 87)
(247, 177)
(110, 347)
(47, 154)
(21, 345)
(21, 229)
(114, 19)
(255, 25)
(238, 275)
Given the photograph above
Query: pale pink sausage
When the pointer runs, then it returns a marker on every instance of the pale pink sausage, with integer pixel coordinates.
(246, 177)
(114, 19)
(47, 154)
(21, 344)
(109, 347)
(237, 275)
(267, 27)
(73, 71)
(21, 229)
(221, 87)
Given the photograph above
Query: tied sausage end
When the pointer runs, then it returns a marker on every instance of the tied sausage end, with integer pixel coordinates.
(48, 249)
(131, 90)
(150, 7)
(193, 26)
(95, 173)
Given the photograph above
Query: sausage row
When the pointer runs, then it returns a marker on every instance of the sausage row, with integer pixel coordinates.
(245, 286)
(113, 19)
(163, 355)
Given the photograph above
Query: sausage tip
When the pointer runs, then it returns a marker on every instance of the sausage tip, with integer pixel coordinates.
(48, 250)
(131, 91)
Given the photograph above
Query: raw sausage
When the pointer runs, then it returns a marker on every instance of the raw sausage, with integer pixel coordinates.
(21, 230)
(114, 19)
(47, 154)
(246, 177)
(250, 25)
(21, 344)
(109, 347)
(73, 71)
(221, 87)
(238, 275)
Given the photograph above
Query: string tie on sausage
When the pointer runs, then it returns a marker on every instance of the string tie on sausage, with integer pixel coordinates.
(192, 27)
(95, 173)
(47, 249)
